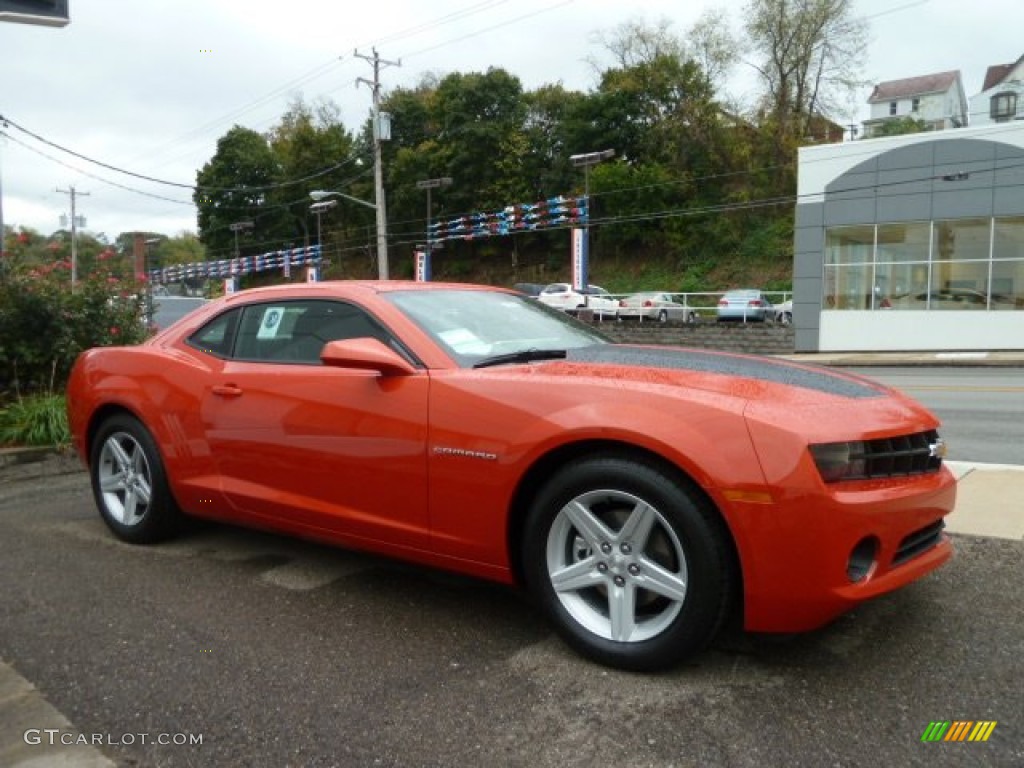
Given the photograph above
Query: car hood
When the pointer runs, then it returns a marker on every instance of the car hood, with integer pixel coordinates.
(745, 376)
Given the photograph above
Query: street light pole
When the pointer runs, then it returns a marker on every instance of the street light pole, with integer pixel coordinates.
(318, 208)
(320, 195)
(148, 280)
(431, 184)
(237, 227)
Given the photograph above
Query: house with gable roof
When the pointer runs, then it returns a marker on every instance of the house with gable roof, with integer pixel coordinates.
(1002, 95)
(937, 99)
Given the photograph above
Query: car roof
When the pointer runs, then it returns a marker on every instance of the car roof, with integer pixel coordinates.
(349, 287)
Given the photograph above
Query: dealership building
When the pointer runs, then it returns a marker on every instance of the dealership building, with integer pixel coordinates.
(911, 242)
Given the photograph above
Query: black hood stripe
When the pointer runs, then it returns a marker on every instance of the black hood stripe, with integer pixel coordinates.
(748, 367)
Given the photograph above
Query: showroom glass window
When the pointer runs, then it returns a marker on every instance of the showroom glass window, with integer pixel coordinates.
(972, 264)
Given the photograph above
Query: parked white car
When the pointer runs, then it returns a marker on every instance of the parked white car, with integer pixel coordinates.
(784, 312)
(564, 297)
(656, 306)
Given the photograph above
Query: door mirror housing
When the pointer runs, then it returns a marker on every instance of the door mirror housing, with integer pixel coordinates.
(366, 354)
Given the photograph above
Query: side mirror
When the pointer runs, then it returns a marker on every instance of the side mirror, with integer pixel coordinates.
(366, 354)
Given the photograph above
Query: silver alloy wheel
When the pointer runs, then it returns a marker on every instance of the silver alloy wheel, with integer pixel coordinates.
(617, 566)
(125, 479)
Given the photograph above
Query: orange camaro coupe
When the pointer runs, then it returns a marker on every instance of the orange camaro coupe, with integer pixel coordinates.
(640, 494)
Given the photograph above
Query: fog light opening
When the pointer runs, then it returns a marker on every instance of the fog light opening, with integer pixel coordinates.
(862, 559)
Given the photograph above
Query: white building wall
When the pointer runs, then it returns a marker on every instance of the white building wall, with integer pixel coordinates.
(895, 331)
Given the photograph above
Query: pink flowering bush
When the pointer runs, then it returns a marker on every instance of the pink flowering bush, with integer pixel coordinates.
(44, 325)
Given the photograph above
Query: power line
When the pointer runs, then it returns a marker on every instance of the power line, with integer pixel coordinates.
(193, 187)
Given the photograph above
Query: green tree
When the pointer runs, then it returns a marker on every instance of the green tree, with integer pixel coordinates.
(809, 54)
(234, 186)
(314, 151)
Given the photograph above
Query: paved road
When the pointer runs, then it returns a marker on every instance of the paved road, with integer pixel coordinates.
(282, 653)
(982, 409)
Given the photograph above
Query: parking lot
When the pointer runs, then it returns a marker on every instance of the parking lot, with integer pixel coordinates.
(287, 653)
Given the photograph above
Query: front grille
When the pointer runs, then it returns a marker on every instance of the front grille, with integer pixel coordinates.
(916, 454)
(918, 542)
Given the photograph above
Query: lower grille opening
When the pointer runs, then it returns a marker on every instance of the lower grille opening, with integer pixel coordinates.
(919, 542)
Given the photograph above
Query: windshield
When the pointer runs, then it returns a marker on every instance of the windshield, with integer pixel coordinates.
(472, 325)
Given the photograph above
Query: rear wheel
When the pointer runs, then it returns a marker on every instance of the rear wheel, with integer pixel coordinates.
(631, 565)
(663, 316)
(129, 482)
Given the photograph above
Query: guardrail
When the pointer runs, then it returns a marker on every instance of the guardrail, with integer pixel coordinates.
(703, 303)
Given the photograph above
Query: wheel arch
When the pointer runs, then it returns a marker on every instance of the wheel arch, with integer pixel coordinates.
(98, 418)
(546, 466)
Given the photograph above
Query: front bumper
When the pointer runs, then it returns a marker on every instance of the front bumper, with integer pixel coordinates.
(797, 553)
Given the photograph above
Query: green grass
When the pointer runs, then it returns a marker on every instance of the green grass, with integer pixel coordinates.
(38, 420)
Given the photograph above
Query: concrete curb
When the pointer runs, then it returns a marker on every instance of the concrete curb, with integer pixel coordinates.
(25, 717)
(911, 359)
(20, 463)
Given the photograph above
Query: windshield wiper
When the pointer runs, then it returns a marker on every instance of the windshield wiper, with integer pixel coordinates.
(523, 356)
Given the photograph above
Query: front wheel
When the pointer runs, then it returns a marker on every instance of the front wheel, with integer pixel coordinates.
(129, 482)
(632, 566)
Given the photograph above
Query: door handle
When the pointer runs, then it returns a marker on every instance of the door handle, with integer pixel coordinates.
(227, 390)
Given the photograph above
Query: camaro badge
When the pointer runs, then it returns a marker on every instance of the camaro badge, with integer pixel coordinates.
(441, 450)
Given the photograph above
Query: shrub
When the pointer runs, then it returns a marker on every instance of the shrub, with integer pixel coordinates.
(44, 325)
(35, 420)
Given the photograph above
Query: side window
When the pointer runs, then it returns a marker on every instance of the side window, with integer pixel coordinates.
(296, 331)
(218, 335)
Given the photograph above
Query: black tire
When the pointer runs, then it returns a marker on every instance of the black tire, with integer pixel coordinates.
(674, 575)
(691, 318)
(129, 483)
(663, 316)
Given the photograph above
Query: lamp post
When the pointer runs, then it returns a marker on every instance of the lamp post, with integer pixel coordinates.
(236, 227)
(319, 208)
(149, 281)
(382, 258)
(239, 226)
(586, 160)
(431, 184)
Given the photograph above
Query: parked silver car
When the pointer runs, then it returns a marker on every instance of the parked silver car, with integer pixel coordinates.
(744, 304)
(653, 305)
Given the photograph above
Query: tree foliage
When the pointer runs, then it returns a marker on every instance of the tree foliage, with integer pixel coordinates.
(685, 183)
(899, 126)
(808, 58)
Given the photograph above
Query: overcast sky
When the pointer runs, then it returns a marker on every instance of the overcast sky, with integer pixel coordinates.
(150, 86)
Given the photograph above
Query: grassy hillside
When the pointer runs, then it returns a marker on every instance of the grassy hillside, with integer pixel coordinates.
(761, 259)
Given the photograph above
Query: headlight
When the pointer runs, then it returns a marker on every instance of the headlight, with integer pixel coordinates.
(840, 461)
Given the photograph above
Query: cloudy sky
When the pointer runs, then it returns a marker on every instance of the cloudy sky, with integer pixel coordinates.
(149, 87)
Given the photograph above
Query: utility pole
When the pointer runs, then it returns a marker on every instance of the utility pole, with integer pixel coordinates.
(74, 230)
(381, 132)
